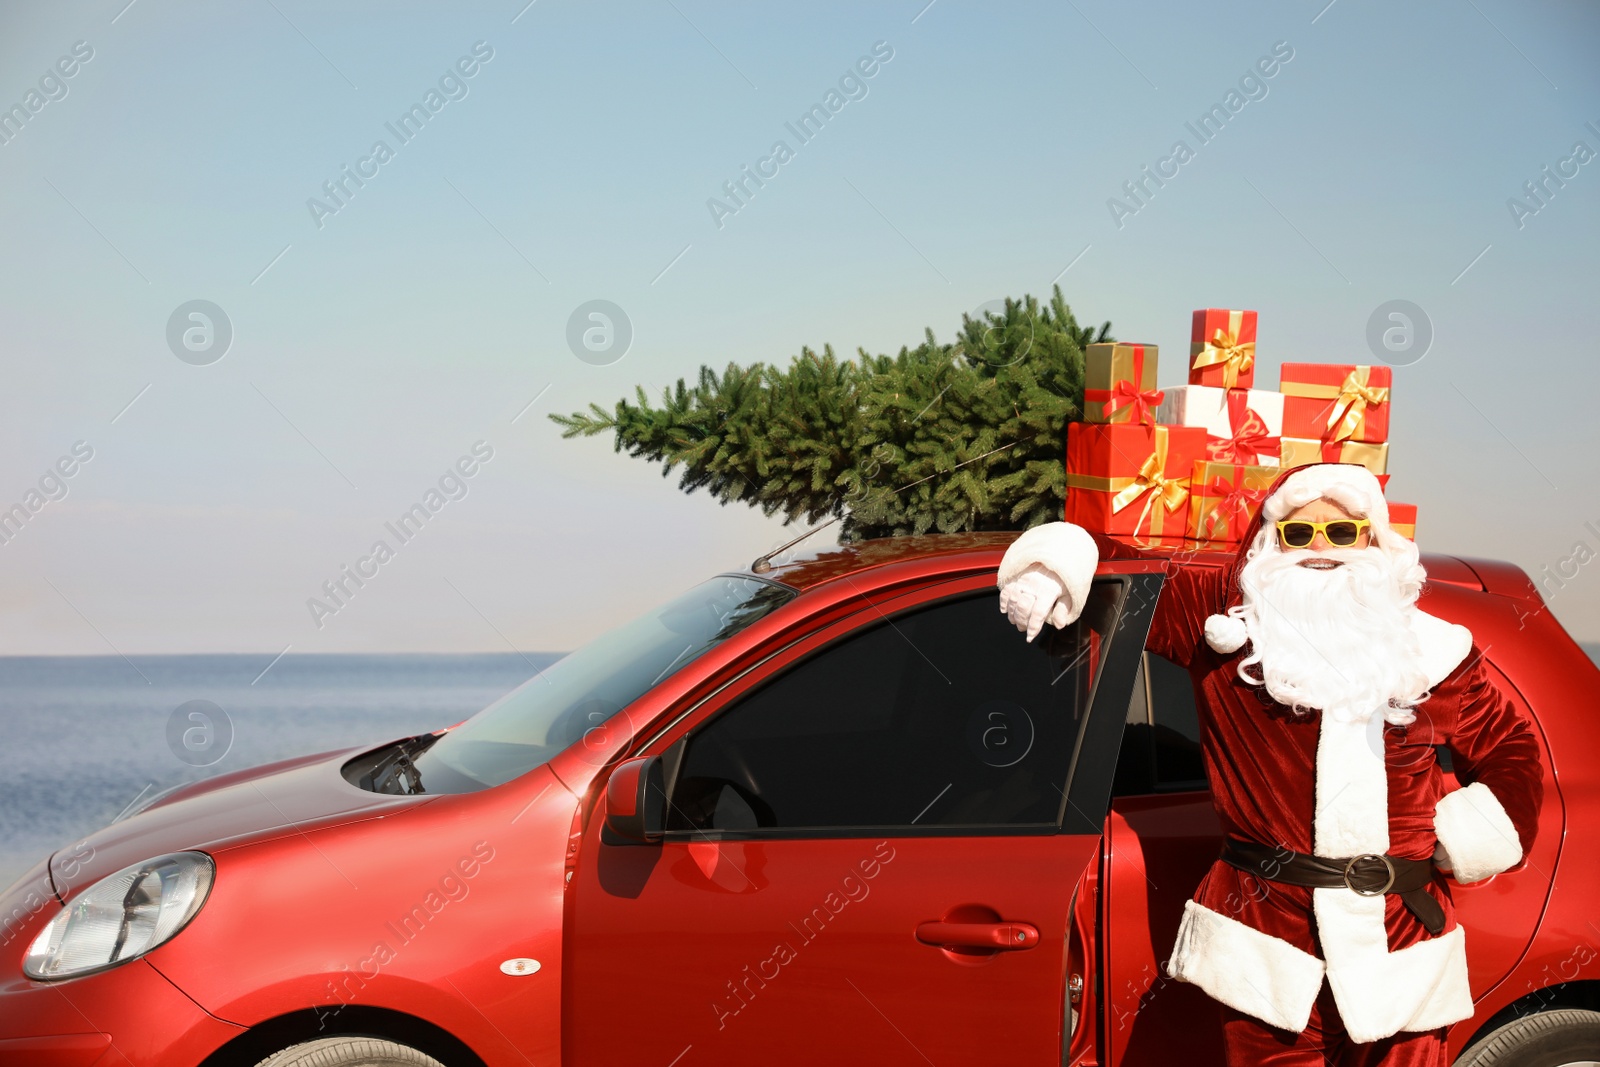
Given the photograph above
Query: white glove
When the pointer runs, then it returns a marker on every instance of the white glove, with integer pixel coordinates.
(1034, 597)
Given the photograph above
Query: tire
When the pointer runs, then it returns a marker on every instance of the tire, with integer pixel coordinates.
(349, 1052)
(1549, 1039)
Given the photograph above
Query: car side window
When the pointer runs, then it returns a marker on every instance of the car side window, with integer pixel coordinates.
(942, 716)
(1161, 741)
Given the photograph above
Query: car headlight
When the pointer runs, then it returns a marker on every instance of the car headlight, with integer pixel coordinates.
(122, 916)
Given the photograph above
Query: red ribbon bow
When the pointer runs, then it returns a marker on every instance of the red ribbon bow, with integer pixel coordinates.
(1235, 508)
(1124, 394)
(1250, 439)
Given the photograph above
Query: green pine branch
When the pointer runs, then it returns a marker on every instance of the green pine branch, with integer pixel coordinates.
(968, 435)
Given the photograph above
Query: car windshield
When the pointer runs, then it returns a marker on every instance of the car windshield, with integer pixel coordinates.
(583, 689)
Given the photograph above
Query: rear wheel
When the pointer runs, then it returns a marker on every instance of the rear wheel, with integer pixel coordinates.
(1565, 1038)
(349, 1052)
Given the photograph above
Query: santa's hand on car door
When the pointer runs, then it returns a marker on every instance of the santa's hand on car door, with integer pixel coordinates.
(1034, 597)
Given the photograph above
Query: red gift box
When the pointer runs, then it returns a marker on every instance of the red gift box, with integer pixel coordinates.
(1403, 519)
(1222, 348)
(1336, 401)
(1129, 479)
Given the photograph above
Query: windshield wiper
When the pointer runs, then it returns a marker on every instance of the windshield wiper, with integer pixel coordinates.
(399, 762)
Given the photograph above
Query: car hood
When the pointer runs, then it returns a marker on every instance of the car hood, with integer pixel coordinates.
(293, 796)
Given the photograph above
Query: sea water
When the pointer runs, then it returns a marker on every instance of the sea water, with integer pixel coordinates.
(84, 737)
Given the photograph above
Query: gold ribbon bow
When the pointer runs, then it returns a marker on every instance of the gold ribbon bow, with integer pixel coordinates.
(1151, 483)
(1225, 348)
(1350, 406)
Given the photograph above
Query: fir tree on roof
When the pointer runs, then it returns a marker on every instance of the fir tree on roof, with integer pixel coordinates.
(967, 435)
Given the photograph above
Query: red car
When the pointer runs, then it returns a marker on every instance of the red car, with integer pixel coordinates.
(833, 810)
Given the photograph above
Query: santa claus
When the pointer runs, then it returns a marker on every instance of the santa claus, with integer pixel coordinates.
(1322, 687)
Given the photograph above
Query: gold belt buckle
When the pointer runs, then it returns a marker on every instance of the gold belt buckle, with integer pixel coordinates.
(1387, 865)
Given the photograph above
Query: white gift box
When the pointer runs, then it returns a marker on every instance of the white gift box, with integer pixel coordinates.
(1207, 406)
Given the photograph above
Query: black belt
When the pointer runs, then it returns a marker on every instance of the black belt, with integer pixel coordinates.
(1369, 874)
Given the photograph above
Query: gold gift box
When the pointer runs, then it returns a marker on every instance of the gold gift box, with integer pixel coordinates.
(1298, 451)
(1107, 363)
(1215, 486)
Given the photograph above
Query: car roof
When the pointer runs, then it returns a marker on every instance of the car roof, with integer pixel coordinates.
(804, 568)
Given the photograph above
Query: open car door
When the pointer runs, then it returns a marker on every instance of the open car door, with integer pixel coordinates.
(867, 848)
(1162, 836)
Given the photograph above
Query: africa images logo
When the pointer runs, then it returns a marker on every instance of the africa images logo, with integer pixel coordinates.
(852, 85)
(851, 889)
(52, 486)
(1252, 86)
(453, 484)
(452, 85)
(52, 87)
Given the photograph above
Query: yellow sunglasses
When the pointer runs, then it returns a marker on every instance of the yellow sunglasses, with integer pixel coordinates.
(1298, 533)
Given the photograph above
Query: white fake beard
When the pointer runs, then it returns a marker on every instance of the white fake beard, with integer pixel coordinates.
(1338, 640)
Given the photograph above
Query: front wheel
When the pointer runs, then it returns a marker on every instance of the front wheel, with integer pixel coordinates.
(349, 1052)
(1565, 1038)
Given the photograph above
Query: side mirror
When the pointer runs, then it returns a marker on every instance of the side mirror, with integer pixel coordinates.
(636, 803)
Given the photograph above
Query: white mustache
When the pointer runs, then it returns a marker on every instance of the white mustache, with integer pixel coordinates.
(1335, 639)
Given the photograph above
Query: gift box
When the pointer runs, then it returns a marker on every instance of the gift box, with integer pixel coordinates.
(1124, 478)
(1222, 348)
(1403, 519)
(1298, 451)
(1119, 383)
(1336, 401)
(1224, 498)
(1242, 425)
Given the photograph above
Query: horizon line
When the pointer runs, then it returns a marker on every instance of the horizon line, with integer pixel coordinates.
(284, 655)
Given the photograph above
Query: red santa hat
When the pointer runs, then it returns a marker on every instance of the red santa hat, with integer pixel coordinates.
(1350, 485)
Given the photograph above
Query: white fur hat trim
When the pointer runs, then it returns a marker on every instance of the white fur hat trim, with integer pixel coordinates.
(1225, 633)
(1349, 483)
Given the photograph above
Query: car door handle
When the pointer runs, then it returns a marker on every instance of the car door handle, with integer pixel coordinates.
(1001, 936)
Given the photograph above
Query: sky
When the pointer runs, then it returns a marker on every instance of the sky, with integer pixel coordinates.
(362, 349)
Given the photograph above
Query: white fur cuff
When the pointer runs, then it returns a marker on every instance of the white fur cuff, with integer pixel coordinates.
(1066, 550)
(1478, 837)
(1256, 973)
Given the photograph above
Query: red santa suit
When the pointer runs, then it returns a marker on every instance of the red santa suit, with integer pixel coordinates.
(1312, 784)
